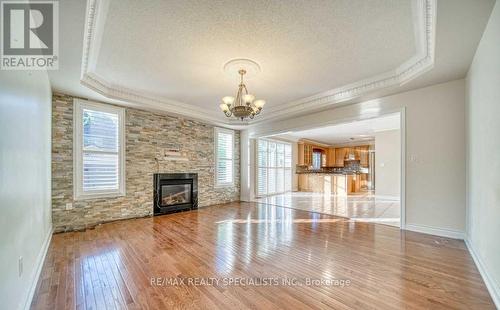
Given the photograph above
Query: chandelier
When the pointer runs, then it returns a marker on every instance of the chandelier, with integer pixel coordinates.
(244, 104)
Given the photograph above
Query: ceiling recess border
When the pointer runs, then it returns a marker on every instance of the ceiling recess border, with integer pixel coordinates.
(424, 21)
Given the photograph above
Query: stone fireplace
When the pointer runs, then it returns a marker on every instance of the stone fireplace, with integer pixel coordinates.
(174, 192)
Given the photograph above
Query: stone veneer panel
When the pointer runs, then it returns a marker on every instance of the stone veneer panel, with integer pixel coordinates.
(147, 135)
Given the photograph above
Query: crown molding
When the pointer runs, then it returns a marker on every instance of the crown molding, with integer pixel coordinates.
(312, 141)
(424, 20)
(336, 145)
(354, 143)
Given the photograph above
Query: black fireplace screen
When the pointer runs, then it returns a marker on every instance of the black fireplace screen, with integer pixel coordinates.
(175, 194)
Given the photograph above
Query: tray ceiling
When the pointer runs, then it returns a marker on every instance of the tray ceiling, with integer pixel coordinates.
(170, 54)
(357, 131)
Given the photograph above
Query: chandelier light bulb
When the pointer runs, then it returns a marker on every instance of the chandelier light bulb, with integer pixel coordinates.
(259, 103)
(248, 98)
(224, 107)
(228, 100)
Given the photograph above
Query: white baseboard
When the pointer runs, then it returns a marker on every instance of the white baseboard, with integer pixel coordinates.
(387, 197)
(491, 285)
(39, 264)
(448, 233)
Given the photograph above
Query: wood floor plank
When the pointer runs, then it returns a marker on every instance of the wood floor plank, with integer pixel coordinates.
(113, 265)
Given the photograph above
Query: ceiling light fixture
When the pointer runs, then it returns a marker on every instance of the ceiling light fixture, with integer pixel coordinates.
(244, 104)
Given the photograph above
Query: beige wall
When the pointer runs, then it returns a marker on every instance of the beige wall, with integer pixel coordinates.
(388, 163)
(25, 223)
(147, 135)
(435, 141)
(483, 155)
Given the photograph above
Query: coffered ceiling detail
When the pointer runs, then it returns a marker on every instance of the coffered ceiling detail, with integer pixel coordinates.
(114, 43)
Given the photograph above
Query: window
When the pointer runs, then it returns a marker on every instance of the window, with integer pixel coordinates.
(274, 167)
(316, 160)
(224, 157)
(99, 158)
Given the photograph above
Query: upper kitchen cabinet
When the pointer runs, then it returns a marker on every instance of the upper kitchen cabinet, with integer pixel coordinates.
(340, 154)
(330, 157)
(357, 153)
(361, 153)
(305, 153)
(308, 154)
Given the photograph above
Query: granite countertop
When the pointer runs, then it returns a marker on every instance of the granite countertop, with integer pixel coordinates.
(331, 170)
(328, 172)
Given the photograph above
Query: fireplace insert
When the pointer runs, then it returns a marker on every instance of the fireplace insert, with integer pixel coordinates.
(174, 192)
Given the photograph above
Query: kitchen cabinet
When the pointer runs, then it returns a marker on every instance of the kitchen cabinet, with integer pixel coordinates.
(340, 154)
(362, 155)
(363, 182)
(357, 152)
(303, 183)
(335, 184)
(330, 157)
(353, 183)
(338, 184)
(305, 154)
(308, 154)
(300, 154)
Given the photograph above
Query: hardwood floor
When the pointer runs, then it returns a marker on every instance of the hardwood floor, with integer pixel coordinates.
(134, 264)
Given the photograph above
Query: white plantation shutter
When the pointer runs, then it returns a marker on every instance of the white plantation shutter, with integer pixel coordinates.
(288, 167)
(262, 159)
(100, 171)
(99, 150)
(280, 165)
(271, 171)
(274, 167)
(224, 157)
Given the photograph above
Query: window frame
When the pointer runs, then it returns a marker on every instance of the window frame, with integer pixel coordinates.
(218, 130)
(78, 106)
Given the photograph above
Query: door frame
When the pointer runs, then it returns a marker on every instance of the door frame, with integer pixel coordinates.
(402, 174)
(402, 128)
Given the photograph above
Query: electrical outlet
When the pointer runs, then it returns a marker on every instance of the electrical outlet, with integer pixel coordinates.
(20, 266)
(69, 206)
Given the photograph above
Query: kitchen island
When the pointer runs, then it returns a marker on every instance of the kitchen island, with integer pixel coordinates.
(330, 183)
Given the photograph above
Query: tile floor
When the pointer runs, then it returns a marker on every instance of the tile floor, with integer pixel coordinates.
(363, 207)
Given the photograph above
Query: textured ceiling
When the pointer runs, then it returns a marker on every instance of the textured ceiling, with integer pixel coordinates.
(176, 49)
(291, 68)
(342, 133)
